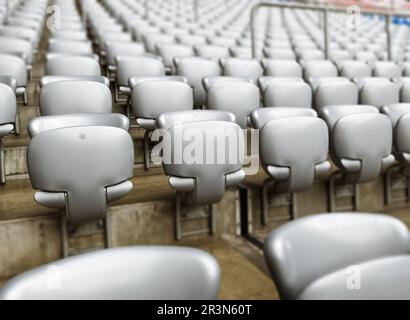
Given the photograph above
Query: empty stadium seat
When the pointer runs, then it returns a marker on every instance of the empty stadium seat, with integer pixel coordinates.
(15, 67)
(355, 69)
(73, 97)
(295, 94)
(360, 142)
(8, 114)
(139, 275)
(152, 97)
(72, 66)
(386, 69)
(200, 176)
(282, 68)
(194, 70)
(281, 128)
(238, 97)
(59, 159)
(340, 256)
(242, 68)
(378, 92)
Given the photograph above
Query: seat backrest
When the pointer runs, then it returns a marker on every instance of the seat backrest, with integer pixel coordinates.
(263, 115)
(386, 69)
(355, 69)
(361, 139)
(128, 66)
(240, 98)
(169, 51)
(319, 69)
(14, 67)
(280, 54)
(288, 94)
(17, 46)
(304, 250)
(58, 160)
(70, 47)
(50, 79)
(8, 105)
(219, 151)
(298, 144)
(122, 48)
(336, 93)
(141, 273)
(379, 92)
(47, 123)
(151, 40)
(282, 68)
(242, 68)
(211, 52)
(151, 98)
(75, 35)
(71, 97)
(72, 66)
(170, 119)
(195, 69)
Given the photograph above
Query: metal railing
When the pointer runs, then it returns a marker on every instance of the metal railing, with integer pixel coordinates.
(325, 11)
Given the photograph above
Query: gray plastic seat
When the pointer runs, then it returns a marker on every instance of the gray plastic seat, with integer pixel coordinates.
(50, 79)
(151, 40)
(73, 97)
(355, 69)
(74, 35)
(17, 32)
(319, 69)
(8, 114)
(70, 47)
(330, 93)
(288, 94)
(315, 257)
(72, 66)
(59, 159)
(211, 52)
(378, 92)
(263, 115)
(47, 123)
(19, 47)
(9, 81)
(238, 97)
(15, 67)
(208, 82)
(242, 68)
(285, 135)
(386, 69)
(360, 140)
(194, 69)
(279, 54)
(115, 49)
(204, 178)
(366, 56)
(130, 66)
(151, 98)
(264, 82)
(170, 51)
(282, 68)
(170, 119)
(138, 274)
(399, 114)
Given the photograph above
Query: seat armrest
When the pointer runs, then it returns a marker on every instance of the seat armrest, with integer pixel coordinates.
(50, 199)
(118, 191)
(234, 178)
(182, 184)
